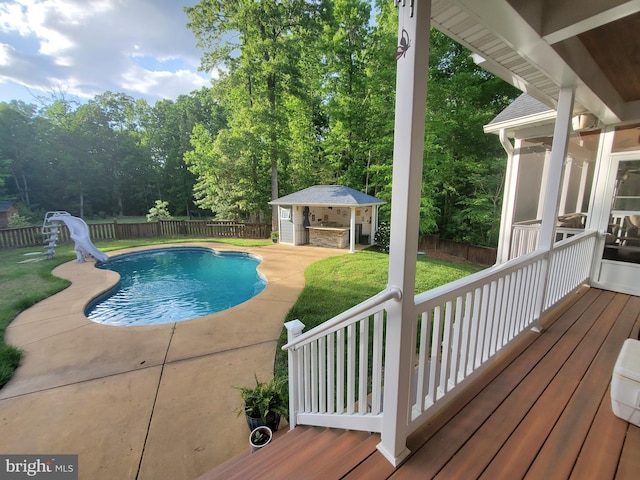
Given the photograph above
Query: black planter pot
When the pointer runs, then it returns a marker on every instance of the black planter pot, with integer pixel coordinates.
(272, 421)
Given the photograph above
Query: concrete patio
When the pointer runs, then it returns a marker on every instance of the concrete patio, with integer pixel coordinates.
(143, 402)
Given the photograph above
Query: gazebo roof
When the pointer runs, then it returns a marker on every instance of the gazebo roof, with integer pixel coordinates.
(335, 195)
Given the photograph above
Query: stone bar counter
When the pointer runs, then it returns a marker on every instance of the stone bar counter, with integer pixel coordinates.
(329, 236)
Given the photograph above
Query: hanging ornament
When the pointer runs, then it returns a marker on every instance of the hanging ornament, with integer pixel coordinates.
(405, 43)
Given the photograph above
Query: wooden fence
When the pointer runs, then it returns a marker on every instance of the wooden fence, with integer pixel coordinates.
(33, 237)
(472, 253)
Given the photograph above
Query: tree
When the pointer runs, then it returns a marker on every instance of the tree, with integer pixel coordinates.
(346, 38)
(16, 152)
(259, 42)
(463, 167)
(168, 127)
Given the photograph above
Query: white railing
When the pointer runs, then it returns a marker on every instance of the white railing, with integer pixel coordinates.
(462, 325)
(335, 369)
(524, 237)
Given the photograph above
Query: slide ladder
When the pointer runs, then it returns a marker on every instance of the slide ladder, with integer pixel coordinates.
(79, 232)
(51, 231)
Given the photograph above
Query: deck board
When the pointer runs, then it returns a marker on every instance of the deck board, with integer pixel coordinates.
(629, 464)
(599, 459)
(543, 410)
(569, 396)
(562, 447)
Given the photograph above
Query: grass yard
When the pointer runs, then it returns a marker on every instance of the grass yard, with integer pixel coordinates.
(336, 284)
(21, 286)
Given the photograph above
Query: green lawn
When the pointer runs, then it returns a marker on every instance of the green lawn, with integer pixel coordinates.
(332, 285)
(336, 284)
(21, 286)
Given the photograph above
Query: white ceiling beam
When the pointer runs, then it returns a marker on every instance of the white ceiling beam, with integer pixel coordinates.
(608, 16)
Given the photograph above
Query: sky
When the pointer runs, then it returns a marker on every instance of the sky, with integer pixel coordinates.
(81, 48)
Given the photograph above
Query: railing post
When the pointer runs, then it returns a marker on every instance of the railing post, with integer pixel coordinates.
(294, 329)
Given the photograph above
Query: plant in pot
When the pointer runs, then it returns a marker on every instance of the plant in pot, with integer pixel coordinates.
(259, 437)
(265, 403)
(274, 236)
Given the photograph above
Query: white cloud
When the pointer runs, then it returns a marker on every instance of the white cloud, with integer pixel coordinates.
(85, 47)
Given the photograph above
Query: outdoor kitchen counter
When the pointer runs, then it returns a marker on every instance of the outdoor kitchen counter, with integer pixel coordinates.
(332, 237)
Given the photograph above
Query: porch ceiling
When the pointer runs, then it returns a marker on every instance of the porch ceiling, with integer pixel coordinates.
(542, 45)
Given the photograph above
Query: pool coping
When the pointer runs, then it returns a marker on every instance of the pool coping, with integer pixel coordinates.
(148, 401)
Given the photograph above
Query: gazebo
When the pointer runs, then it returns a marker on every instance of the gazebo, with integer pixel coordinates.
(332, 216)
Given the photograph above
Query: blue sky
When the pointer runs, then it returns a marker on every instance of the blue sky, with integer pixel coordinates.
(80, 48)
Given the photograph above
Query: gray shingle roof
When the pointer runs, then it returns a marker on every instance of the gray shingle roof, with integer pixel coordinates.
(523, 106)
(336, 195)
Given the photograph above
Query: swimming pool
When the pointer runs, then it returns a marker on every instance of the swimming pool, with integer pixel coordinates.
(175, 284)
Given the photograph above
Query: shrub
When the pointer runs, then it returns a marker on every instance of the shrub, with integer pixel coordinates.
(383, 237)
(159, 212)
(17, 221)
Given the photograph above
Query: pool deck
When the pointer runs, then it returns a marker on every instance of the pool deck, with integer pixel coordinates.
(147, 402)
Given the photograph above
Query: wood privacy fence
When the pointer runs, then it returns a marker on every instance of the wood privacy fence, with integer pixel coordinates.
(472, 253)
(33, 237)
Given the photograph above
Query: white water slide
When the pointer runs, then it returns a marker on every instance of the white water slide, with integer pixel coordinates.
(79, 232)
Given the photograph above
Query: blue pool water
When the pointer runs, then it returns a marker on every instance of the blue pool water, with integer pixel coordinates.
(175, 284)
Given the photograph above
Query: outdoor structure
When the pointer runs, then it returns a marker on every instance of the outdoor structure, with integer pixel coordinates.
(7, 210)
(579, 61)
(328, 216)
(601, 171)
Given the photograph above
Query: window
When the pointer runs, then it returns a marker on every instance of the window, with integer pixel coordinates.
(285, 213)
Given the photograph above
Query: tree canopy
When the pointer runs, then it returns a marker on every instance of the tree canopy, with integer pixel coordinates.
(305, 95)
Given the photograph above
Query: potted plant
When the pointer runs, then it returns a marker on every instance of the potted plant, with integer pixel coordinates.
(265, 403)
(259, 437)
(274, 236)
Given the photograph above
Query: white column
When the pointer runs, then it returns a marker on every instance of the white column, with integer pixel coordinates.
(543, 183)
(352, 233)
(411, 91)
(374, 224)
(583, 185)
(508, 199)
(556, 164)
(564, 192)
(552, 197)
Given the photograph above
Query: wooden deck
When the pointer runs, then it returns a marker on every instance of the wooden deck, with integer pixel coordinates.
(542, 412)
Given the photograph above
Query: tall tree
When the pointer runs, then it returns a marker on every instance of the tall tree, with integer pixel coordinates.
(168, 127)
(464, 168)
(259, 42)
(16, 136)
(346, 37)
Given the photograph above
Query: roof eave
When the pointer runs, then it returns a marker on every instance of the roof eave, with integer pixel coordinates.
(528, 121)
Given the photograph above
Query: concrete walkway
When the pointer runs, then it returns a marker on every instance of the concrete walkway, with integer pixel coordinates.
(153, 402)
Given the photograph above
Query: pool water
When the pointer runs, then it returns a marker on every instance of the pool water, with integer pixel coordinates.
(175, 284)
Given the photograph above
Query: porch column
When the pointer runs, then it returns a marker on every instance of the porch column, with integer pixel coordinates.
(584, 172)
(509, 196)
(374, 224)
(543, 186)
(562, 208)
(556, 165)
(411, 91)
(553, 182)
(352, 232)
